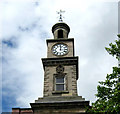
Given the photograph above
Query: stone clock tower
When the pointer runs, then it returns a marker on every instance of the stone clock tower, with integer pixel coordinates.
(60, 66)
(60, 77)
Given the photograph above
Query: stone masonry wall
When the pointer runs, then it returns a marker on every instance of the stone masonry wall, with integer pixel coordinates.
(70, 82)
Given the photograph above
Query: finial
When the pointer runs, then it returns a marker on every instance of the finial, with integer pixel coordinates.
(60, 13)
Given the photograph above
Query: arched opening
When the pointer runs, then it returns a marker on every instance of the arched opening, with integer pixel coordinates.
(60, 33)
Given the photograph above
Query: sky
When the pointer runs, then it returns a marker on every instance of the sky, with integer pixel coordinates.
(26, 24)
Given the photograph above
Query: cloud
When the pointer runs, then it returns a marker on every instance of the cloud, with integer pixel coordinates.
(25, 27)
(100, 29)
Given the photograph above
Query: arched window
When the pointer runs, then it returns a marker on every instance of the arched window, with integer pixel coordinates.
(60, 33)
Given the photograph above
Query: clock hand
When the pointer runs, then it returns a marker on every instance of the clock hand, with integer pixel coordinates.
(60, 47)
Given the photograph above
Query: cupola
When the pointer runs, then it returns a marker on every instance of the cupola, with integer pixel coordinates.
(60, 30)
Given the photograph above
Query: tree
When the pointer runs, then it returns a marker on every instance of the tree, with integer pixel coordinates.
(108, 91)
(114, 49)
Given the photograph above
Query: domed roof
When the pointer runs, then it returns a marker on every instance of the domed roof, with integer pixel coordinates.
(60, 25)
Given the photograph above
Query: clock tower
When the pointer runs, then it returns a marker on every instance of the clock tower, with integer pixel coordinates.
(60, 75)
(60, 66)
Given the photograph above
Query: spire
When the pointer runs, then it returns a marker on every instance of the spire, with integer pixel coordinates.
(60, 14)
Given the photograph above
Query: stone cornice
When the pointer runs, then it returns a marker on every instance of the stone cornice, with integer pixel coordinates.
(61, 61)
(60, 40)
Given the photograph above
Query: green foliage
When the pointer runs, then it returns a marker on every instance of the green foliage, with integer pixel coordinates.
(108, 91)
(114, 49)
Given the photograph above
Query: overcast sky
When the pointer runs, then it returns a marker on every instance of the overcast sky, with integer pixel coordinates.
(26, 24)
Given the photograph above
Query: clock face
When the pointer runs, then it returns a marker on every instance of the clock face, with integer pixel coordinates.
(60, 49)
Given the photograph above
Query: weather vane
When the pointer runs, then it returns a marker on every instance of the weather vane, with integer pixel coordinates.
(60, 13)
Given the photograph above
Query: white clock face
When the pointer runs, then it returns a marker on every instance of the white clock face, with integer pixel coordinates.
(60, 49)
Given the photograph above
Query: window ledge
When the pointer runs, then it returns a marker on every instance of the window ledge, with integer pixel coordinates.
(60, 92)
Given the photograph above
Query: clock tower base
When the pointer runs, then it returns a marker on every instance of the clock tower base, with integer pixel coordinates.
(68, 104)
